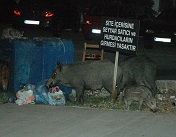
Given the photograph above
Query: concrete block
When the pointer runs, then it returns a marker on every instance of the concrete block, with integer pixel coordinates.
(166, 85)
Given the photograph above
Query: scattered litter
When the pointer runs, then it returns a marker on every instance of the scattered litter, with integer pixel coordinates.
(31, 94)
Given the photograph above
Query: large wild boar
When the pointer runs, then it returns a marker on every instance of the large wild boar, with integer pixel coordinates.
(85, 75)
(4, 74)
(139, 70)
(140, 94)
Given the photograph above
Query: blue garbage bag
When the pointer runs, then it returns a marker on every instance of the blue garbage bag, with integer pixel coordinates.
(41, 94)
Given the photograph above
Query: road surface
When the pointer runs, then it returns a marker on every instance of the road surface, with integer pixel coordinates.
(54, 121)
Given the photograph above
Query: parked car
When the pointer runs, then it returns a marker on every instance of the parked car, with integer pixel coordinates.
(162, 31)
(91, 26)
(53, 14)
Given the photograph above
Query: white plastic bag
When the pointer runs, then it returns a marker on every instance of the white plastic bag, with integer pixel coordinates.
(56, 96)
(24, 97)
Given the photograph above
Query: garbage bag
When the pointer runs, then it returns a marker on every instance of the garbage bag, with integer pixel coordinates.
(24, 97)
(56, 96)
(41, 94)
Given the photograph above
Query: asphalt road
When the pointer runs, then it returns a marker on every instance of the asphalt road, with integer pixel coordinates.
(54, 121)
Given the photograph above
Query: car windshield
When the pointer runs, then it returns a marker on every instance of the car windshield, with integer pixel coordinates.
(168, 15)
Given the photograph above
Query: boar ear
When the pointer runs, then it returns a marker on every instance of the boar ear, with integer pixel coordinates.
(59, 66)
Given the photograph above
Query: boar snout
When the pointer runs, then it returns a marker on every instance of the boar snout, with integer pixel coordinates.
(49, 82)
(154, 110)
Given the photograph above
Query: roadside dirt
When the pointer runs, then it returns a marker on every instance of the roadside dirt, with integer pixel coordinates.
(166, 102)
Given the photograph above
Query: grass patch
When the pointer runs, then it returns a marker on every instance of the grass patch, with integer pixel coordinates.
(4, 96)
(91, 101)
(104, 103)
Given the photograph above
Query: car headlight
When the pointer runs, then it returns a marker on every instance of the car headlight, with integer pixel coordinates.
(150, 31)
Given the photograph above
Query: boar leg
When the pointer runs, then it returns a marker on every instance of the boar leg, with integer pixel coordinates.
(140, 104)
(4, 85)
(128, 103)
(150, 85)
(125, 103)
(79, 95)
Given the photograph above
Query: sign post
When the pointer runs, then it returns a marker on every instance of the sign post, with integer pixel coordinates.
(114, 93)
(120, 35)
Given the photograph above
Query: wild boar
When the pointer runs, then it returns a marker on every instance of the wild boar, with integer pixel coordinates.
(139, 70)
(4, 74)
(140, 94)
(85, 75)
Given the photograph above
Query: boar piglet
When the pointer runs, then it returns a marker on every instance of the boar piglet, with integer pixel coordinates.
(140, 94)
(85, 75)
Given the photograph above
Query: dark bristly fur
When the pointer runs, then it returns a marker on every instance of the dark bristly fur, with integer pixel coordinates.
(140, 94)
